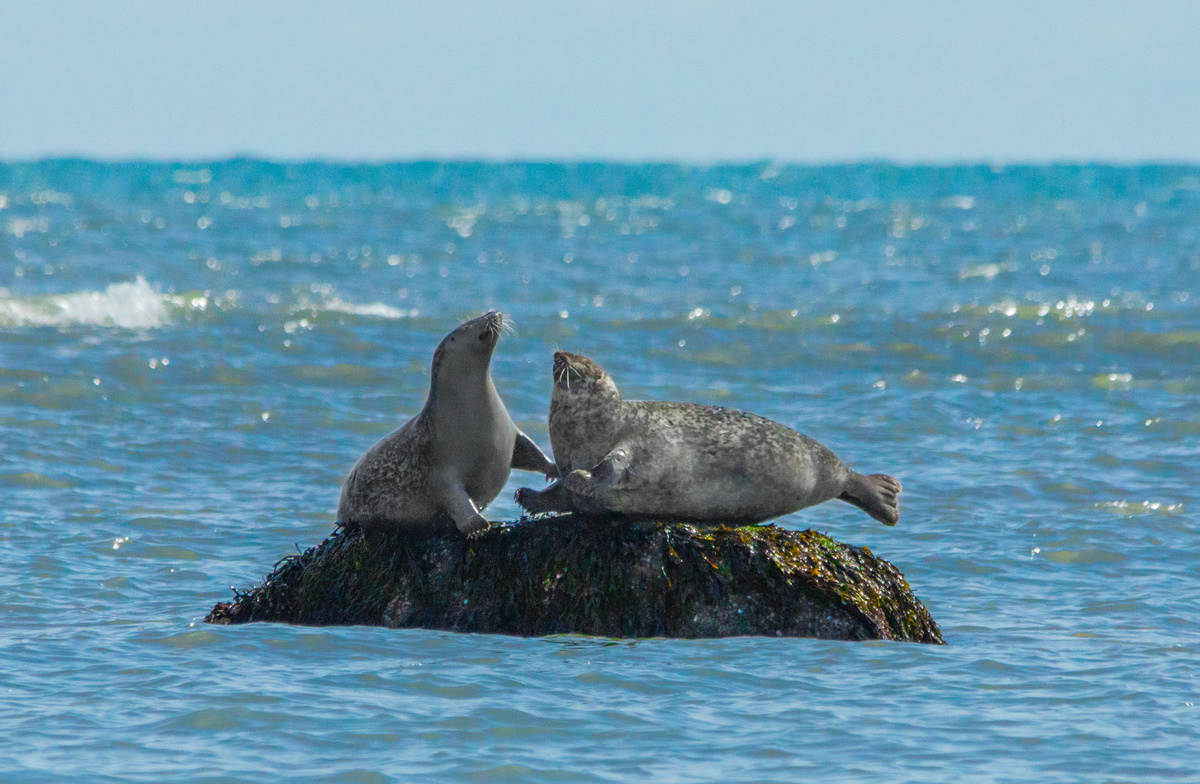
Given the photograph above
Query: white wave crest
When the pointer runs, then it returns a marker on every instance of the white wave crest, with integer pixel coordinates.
(133, 305)
(339, 305)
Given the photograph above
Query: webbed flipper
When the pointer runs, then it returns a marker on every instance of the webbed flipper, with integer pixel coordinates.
(527, 456)
(875, 495)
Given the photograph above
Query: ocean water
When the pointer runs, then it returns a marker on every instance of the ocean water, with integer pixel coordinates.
(192, 356)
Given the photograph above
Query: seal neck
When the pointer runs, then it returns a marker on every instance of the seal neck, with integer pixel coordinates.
(471, 385)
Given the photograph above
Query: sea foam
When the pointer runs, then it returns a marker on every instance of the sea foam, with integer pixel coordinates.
(134, 305)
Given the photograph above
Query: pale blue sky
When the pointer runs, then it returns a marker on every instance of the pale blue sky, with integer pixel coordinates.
(695, 81)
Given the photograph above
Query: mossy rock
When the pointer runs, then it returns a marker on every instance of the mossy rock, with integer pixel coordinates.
(566, 574)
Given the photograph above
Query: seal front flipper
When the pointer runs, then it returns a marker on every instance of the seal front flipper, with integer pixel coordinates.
(611, 473)
(599, 491)
(595, 492)
(553, 499)
(580, 491)
(875, 495)
(463, 511)
(527, 456)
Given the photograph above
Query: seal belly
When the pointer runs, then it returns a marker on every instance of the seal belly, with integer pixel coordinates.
(476, 446)
(485, 475)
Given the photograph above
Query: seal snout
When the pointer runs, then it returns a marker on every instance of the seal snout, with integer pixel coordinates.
(493, 325)
(563, 368)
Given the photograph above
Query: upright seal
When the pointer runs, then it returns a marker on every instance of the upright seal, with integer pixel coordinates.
(448, 462)
(686, 462)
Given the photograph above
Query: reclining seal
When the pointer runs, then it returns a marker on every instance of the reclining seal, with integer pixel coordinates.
(449, 461)
(685, 462)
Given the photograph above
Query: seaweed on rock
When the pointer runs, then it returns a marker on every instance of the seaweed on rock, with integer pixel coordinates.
(567, 574)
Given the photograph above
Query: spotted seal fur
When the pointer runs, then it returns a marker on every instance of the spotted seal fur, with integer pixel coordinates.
(686, 462)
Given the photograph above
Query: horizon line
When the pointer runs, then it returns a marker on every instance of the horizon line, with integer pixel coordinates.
(995, 162)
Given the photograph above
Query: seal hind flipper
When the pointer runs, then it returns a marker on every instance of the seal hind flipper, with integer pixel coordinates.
(875, 495)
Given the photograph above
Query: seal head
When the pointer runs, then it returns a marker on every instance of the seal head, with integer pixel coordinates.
(467, 351)
(585, 409)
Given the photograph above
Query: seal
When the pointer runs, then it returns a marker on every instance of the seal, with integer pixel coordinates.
(449, 461)
(686, 462)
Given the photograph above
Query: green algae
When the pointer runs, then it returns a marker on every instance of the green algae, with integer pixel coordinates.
(565, 574)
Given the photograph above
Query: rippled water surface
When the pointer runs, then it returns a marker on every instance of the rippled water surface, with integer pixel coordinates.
(193, 356)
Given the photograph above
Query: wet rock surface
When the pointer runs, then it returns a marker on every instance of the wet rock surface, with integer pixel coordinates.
(567, 574)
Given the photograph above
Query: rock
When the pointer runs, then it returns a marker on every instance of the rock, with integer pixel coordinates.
(566, 574)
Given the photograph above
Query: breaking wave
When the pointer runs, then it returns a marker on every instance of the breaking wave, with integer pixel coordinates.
(378, 309)
(134, 305)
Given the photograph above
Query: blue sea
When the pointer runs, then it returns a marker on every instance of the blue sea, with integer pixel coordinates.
(193, 355)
